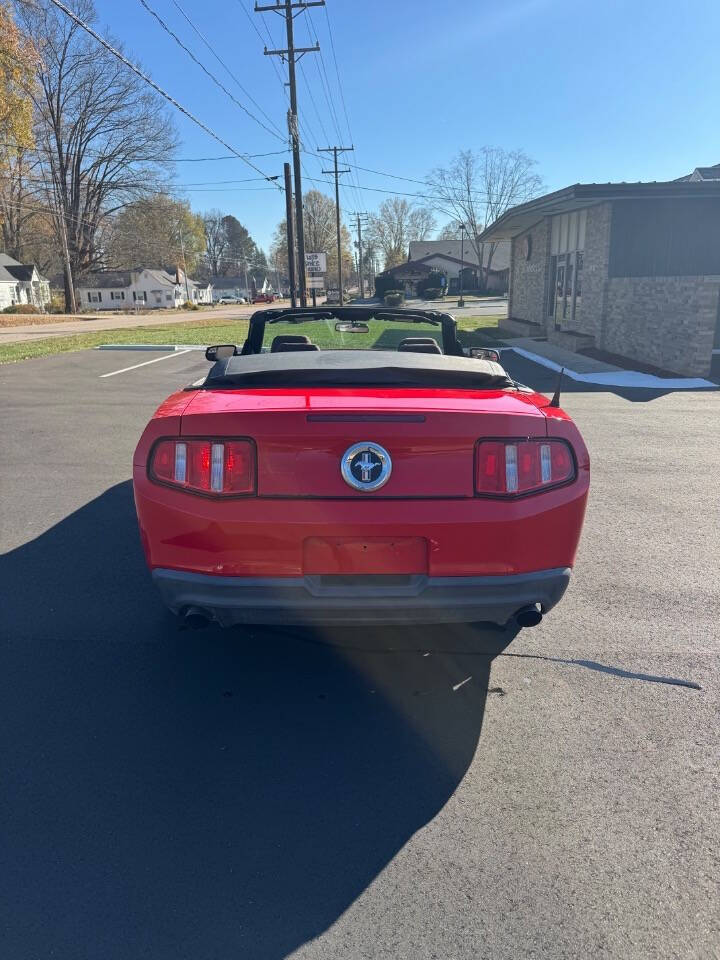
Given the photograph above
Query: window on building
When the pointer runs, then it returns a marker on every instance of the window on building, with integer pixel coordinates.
(94, 296)
(168, 296)
(567, 245)
(552, 281)
(117, 294)
(140, 296)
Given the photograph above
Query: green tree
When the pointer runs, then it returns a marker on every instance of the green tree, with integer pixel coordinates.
(157, 231)
(18, 62)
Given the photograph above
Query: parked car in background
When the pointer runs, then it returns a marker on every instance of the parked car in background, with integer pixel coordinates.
(231, 299)
(264, 298)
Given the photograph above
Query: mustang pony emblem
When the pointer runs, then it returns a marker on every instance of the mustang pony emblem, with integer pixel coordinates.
(366, 466)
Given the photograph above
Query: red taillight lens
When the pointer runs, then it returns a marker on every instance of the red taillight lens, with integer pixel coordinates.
(216, 467)
(511, 468)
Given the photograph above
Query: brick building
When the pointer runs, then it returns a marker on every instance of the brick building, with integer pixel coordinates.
(631, 269)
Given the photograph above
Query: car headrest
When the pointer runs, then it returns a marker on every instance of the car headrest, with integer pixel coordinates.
(419, 346)
(283, 338)
(295, 347)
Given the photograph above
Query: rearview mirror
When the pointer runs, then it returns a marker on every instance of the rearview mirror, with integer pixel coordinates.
(482, 353)
(345, 326)
(220, 352)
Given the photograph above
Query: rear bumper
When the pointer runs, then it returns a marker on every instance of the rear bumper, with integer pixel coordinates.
(360, 599)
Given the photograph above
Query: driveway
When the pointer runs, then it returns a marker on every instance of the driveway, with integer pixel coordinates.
(420, 793)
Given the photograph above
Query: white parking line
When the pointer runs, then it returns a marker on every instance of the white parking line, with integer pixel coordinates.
(167, 356)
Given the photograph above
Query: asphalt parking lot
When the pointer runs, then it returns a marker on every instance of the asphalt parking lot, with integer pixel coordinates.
(176, 794)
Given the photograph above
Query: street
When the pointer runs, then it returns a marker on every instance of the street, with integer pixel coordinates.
(327, 794)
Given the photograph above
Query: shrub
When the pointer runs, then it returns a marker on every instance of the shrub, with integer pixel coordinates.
(57, 303)
(435, 279)
(384, 285)
(22, 308)
(393, 298)
(433, 293)
(189, 305)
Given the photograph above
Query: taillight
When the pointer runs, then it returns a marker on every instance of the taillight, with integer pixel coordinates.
(511, 468)
(214, 467)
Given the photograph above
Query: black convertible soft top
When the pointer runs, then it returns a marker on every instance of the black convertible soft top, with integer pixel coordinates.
(348, 368)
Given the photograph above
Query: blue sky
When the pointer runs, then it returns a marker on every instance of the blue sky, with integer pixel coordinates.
(602, 91)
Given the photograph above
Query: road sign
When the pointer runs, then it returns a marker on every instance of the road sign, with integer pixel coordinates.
(316, 262)
(316, 283)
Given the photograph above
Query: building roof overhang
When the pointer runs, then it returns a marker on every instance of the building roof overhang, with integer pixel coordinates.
(521, 218)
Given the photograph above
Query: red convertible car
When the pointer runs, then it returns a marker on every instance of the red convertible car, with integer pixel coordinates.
(359, 465)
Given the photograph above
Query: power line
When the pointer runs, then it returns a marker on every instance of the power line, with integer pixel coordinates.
(205, 70)
(137, 241)
(293, 54)
(225, 66)
(324, 81)
(96, 153)
(136, 70)
(342, 98)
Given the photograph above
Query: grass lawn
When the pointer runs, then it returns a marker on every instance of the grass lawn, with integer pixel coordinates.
(476, 331)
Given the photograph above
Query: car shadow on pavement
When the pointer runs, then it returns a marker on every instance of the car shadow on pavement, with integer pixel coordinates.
(170, 793)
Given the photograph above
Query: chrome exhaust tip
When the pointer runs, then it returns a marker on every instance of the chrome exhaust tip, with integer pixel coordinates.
(528, 616)
(196, 618)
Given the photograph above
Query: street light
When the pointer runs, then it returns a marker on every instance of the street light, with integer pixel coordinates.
(461, 302)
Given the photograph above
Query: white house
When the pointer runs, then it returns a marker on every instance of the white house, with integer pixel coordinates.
(144, 288)
(22, 283)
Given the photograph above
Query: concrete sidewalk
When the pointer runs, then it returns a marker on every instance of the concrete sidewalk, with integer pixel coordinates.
(588, 370)
(561, 356)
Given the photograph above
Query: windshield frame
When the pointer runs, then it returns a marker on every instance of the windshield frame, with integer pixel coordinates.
(259, 320)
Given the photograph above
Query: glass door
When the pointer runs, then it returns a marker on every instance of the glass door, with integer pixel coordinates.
(559, 292)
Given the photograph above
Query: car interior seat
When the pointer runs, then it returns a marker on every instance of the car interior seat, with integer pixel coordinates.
(296, 347)
(419, 345)
(284, 343)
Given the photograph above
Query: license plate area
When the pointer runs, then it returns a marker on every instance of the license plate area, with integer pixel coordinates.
(366, 555)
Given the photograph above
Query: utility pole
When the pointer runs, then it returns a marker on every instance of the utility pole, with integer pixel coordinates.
(358, 225)
(461, 302)
(335, 151)
(293, 54)
(290, 234)
(182, 248)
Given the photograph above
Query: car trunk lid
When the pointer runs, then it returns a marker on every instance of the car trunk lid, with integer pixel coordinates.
(301, 436)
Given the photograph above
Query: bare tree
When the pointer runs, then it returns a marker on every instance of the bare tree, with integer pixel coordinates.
(395, 225)
(451, 231)
(18, 202)
(105, 138)
(477, 188)
(320, 235)
(216, 240)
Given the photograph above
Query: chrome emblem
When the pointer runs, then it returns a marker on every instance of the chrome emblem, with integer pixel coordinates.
(366, 466)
